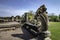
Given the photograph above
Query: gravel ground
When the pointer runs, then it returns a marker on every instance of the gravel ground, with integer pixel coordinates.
(16, 34)
(7, 35)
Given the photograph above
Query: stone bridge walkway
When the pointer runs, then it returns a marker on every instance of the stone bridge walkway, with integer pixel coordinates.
(17, 34)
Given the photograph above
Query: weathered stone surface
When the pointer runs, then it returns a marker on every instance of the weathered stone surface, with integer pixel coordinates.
(41, 14)
(48, 38)
(48, 34)
(9, 26)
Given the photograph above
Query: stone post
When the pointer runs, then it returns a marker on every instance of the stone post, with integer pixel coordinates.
(16, 18)
(26, 17)
(12, 18)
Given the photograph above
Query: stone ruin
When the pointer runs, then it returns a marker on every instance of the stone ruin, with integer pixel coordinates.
(41, 30)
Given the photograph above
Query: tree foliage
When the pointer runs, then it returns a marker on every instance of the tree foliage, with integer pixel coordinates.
(59, 16)
(54, 18)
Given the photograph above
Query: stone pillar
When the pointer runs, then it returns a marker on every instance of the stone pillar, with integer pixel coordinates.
(26, 17)
(16, 19)
(12, 18)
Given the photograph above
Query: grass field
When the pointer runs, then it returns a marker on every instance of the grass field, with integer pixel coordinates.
(54, 27)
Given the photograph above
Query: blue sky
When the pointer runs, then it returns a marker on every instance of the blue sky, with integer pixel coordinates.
(19, 7)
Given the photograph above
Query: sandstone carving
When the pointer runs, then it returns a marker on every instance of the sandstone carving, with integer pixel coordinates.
(40, 31)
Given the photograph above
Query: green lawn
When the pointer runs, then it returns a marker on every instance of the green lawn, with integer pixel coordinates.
(54, 27)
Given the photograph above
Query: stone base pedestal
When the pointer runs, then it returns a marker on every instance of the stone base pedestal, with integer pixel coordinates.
(48, 38)
(47, 35)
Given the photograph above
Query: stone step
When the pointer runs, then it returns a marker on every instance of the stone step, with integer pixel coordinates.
(7, 29)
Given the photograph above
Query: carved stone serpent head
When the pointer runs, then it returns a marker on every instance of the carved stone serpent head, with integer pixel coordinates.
(42, 15)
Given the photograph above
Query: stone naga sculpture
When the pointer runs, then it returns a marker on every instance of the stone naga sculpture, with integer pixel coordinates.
(41, 14)
(40, 31)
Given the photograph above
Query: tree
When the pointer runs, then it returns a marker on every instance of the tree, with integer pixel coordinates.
(30, 15)
(27, 16)
(53, 17)
(59, 16)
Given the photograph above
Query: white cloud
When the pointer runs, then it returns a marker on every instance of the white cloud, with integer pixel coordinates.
(8, 11)
(19, 12)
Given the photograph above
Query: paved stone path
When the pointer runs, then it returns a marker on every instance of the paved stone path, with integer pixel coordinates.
(16, 34)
